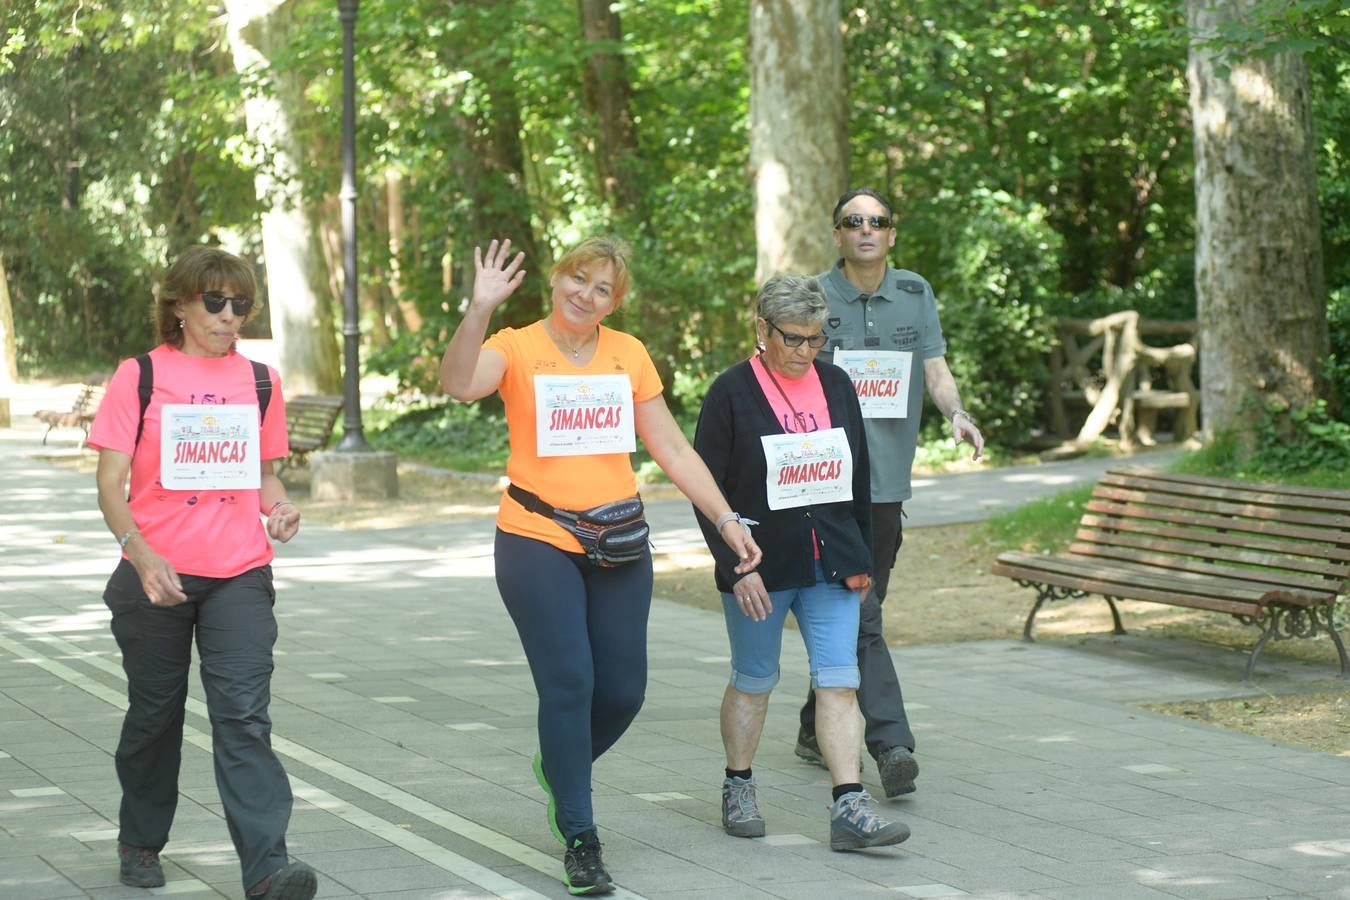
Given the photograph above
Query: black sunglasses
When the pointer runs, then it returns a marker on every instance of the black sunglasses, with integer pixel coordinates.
(214, 301)
(816, 341)
(855, 221)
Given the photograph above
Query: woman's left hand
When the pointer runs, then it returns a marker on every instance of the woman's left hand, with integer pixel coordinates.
(738, 538)
(862, 583)
(283, 521)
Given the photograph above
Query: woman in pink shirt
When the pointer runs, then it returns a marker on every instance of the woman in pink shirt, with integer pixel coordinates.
(782, 434)
(194, 428)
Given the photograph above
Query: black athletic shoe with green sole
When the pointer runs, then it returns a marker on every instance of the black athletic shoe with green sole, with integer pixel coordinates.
(583, 870)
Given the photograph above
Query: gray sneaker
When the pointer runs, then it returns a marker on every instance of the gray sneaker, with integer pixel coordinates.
(855, 823)
(898, 769)
(740, 810)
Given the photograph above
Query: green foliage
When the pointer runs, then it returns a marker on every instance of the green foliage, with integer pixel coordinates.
(1294, 446)
(993, 271)
(1337, 369)
(115, 151)
(464, 437)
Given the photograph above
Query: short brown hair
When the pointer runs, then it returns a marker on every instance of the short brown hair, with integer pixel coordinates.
(198, 269)
(598, 249)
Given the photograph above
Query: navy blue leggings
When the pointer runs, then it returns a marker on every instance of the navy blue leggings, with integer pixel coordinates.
(584, 631)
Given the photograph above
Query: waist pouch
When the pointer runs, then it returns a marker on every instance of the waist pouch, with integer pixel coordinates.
(611, 534)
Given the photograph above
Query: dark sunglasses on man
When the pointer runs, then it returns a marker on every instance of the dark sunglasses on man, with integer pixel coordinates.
(215, 301)
(855, 221)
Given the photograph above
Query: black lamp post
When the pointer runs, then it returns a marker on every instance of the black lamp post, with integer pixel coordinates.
(353, 438)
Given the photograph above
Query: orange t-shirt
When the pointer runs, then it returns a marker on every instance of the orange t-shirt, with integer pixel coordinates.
(566, 482)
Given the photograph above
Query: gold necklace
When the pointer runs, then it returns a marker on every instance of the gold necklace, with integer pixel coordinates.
(563, 345)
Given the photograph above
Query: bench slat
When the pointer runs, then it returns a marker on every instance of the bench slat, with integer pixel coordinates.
(1323, 498)
(1125, 592)
(1220, 507)
(1311, 549)
(309, 422)
(1274, 577)
(1127, 576)
(1197, 544)
(1248, 526)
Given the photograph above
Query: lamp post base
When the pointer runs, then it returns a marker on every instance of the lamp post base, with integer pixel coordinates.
(339, 475)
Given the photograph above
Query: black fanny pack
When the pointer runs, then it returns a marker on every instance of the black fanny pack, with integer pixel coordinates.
(611, 534)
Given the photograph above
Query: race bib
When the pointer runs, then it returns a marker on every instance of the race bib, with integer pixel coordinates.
(579, 415)
(209, 447)
(815, 467)
(881, 378)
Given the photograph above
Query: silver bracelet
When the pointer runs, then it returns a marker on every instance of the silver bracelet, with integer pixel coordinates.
(963, 414)
(122, 541)
(726, 517)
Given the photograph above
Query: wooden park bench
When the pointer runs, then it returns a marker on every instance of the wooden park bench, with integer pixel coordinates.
(309, 424)
(1269, 555)
(81, 413)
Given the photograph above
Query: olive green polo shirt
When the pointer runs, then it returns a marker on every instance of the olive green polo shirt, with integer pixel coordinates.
(901, 315)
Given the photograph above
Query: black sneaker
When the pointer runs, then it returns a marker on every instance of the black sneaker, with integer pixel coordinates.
(898, 768)
(293, 881)
(807, 749)
(583, 870)
(140, 867)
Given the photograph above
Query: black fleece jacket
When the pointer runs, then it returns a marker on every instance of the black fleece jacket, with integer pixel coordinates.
(735, 415)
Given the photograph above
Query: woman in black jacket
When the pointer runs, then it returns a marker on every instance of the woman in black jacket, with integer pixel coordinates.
(783, 436)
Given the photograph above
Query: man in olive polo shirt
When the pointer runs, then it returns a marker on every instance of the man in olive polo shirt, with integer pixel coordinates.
(883, 330)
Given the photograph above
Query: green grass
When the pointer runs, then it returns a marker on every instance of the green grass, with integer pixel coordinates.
(1044, 525)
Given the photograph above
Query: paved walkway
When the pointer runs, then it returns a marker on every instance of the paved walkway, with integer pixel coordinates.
(404, 714)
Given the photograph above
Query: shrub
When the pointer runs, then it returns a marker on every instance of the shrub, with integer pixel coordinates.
(993, 261)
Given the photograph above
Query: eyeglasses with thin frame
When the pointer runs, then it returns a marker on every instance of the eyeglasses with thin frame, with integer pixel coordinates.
(854, 222)
(215, 301)
(814, 341)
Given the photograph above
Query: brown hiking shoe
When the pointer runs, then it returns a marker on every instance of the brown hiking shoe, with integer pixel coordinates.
(140, 867)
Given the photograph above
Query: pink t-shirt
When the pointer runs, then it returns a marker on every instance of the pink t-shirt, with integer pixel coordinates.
(217, 534)
(806, 395)
(803, 408)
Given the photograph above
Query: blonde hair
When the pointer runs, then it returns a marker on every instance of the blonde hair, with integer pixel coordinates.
(198, 269)
(598, 249)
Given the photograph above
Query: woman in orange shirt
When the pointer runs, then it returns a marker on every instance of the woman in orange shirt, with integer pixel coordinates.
(576, 393)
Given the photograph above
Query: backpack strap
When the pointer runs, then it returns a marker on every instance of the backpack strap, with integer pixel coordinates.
(144, 388)
(262, 383)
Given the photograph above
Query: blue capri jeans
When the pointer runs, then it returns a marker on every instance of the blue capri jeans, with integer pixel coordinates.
(827, 615)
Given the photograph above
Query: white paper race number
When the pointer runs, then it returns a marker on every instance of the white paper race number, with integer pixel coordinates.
(881, 378)
(209, 447)
(576, 415)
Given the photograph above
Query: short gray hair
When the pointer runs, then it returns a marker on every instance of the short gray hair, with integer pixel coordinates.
(798, 299)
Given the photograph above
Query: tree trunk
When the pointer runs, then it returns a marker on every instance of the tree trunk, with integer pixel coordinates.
(301, 312)
(798, 131)
(1258, 252)
(9, 367)
(607, 93)
(412, 319)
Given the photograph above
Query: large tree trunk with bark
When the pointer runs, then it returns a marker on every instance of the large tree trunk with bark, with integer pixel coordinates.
(798, 131)
(301, 312)
(9, 367)
(1258, 253)
(607, 93)
(491, 160)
